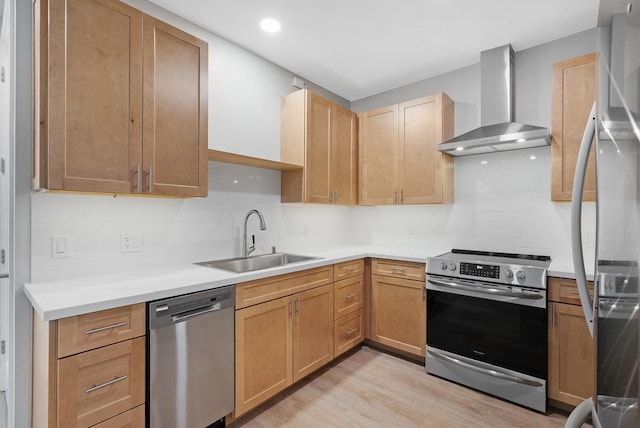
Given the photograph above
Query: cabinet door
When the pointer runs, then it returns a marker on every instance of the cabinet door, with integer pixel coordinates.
(175, 111)
(398, 314)
(318, 163)
(344, 161)
(93, 120)
(312, 331)
(379, 156)
(421, 166)
(574, 91)
(263, 352)
(571, 352)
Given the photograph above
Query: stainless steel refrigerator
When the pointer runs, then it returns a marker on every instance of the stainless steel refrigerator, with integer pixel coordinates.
(613, 314)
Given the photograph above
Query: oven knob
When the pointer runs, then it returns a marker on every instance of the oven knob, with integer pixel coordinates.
(509, 274)
(444, 265)
(452, 266)
(520, 274)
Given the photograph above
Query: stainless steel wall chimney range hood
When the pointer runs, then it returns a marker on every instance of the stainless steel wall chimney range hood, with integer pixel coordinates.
(498, 132)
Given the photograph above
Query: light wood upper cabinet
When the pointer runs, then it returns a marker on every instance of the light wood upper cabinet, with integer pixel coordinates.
(321, 136)
(99, 64)
(175, 111)
(399, 162)
(574, 91)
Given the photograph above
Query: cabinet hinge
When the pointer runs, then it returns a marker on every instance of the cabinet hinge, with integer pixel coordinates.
(3, 347)
(2, 256)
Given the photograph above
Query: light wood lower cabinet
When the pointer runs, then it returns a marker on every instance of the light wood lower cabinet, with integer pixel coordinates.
(89, 370)
(348, 331)
(571, 348)
(281, 341)
(398, 306)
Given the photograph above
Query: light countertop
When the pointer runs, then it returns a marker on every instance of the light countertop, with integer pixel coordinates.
(60, 299)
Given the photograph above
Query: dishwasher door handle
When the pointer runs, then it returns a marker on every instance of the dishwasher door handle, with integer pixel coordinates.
(200, 311)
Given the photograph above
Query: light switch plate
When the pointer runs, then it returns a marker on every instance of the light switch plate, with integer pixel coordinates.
(130, 242)
(60, 246)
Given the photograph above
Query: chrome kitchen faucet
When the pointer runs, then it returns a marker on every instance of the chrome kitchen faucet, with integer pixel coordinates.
(246, 251)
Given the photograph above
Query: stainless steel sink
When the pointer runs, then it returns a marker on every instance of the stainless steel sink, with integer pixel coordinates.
(264, 261)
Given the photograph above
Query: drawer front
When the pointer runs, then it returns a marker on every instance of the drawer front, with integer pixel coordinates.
(348, 295)
(348, 269)
(262, 290)
(97, 385)
(348, 332)
(85, 332)
(565, 290)
(133, 418)
(397, 269)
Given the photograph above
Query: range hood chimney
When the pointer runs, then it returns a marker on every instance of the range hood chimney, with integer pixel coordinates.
(498, 131)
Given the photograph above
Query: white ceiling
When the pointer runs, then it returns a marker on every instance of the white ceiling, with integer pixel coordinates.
(358, 48)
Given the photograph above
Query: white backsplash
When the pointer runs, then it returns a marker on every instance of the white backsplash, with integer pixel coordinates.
(502, 203)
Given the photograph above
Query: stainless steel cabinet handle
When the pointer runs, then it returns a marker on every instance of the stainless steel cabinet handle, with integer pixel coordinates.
(150, 179)
(350, 268)
(290, 309)
(486, 290)
(494, 373)
(108, 327)
(576, 217)
(350, 332)
(102, 385)
(350, 296)
(402, 196)
(136, 186)
(398, 271)
(395, 197)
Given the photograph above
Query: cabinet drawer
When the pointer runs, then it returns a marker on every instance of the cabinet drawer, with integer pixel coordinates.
(348, 331)
(97, 385)
(348, 269)
(565, 290)
(397, 269)
(348, 295)
(84, 332)
(133, 418)
(262, 290)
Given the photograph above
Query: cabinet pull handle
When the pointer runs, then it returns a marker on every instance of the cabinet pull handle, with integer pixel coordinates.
(108, 327)
(395, 197)
(290, 309)
(402, 196)
(136, 186)
(350, 268)
(350, 296)
(335, 197)
(298, 306)
(553, 315)
(350, 332)
(102, 385)
(398, 271)
(150, 179)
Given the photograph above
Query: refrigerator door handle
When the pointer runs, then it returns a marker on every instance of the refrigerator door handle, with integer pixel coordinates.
(576, 217)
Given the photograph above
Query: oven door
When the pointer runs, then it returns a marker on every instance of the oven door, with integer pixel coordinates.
(500, 326)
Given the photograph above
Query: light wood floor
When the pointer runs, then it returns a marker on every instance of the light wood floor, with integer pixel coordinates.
(374, 389)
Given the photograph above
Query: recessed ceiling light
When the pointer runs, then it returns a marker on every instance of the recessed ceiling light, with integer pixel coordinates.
(270, 25)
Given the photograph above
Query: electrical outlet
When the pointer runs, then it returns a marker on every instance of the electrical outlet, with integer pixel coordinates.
(60, 246)
(130, 242)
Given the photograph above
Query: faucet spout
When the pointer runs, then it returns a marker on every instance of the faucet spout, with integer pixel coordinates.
(263, 226)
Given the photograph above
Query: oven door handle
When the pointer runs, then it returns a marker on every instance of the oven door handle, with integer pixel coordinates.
(489, 372)
(486, 290)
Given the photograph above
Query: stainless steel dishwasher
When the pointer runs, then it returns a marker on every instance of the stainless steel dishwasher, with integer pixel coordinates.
(190, 372)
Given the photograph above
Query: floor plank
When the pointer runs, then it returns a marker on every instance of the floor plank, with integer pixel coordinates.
(374, 389)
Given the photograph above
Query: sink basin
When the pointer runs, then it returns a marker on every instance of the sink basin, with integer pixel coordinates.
(264, 261)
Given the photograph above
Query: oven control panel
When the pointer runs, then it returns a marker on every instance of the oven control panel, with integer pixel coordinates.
(482, 271)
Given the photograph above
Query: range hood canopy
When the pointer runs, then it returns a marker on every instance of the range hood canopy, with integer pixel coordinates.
(499, 132)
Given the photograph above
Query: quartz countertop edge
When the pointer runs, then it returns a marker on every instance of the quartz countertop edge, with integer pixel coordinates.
(64, 298)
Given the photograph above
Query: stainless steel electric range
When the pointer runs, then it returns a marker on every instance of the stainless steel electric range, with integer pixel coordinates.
(487, 323)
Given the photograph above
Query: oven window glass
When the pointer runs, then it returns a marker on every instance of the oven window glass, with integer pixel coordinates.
(504, 334)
